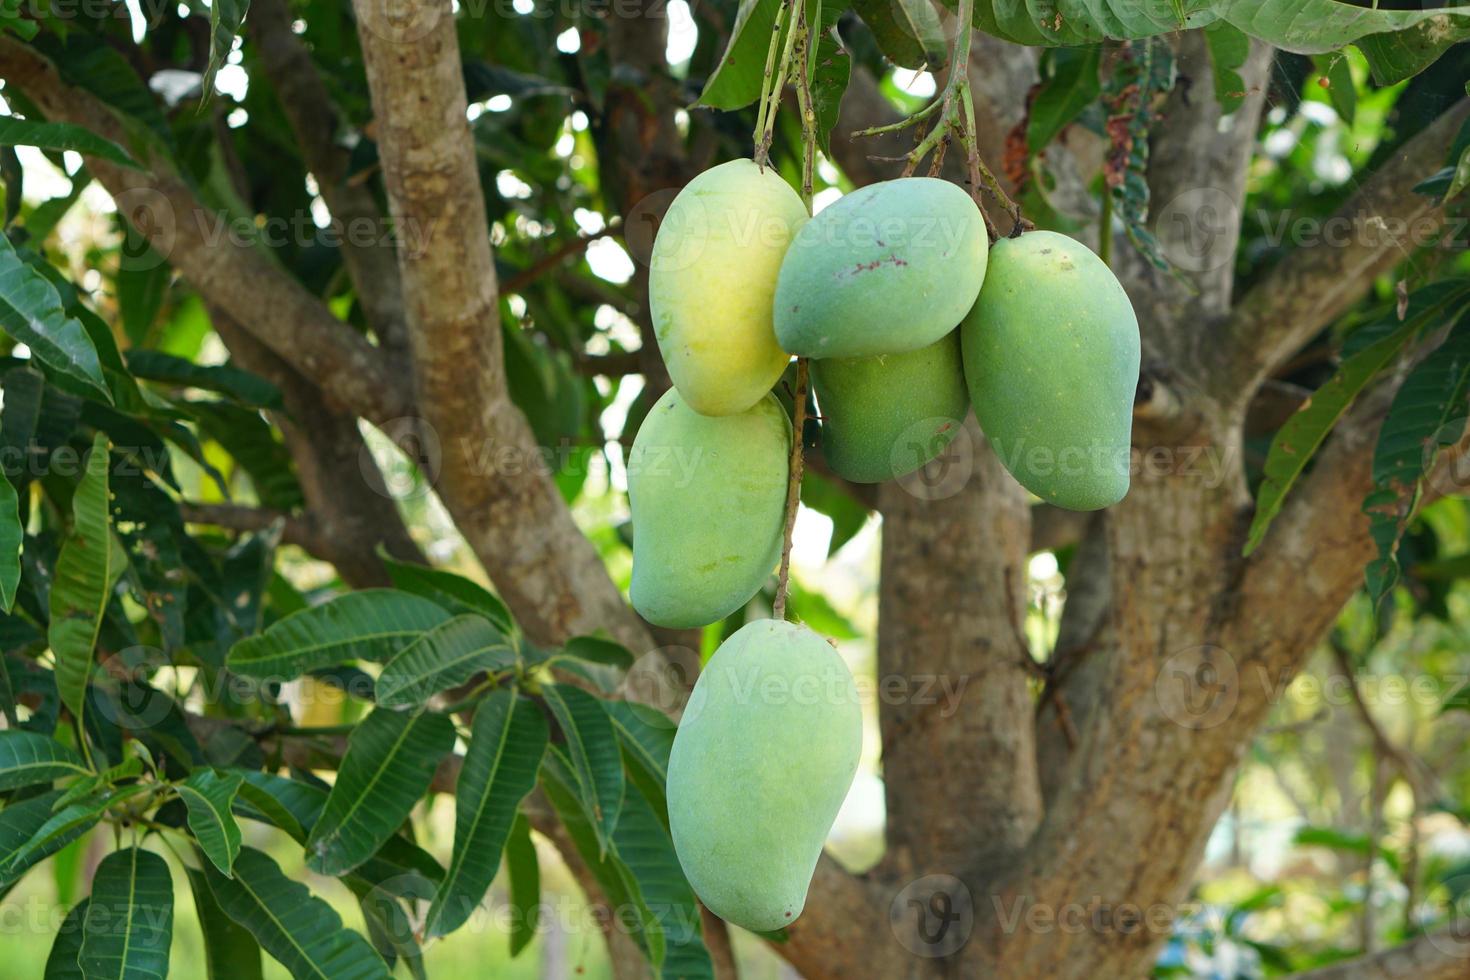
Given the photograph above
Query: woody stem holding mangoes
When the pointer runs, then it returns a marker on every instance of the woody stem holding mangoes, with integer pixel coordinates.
(908, 312)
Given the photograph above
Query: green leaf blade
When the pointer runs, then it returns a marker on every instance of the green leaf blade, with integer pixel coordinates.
(390, 761)
(373, 624)
(60, 137)
(27, 758)
(443, 657)
(129, 922)
(208, 794)
(299, 930)
(31, 312)
(592, 748)
(508, 738)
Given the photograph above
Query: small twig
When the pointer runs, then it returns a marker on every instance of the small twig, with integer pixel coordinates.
(762, 148)
(793, 491)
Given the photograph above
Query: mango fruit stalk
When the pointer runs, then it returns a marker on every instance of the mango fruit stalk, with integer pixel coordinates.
(889, 268)
(763, 758)
(708, 501)
(1051, 354)
(887, 415)
(711, 279)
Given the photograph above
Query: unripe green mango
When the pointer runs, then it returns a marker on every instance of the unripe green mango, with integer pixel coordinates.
(711, 279)
(763, 758)
(1051, 355)
(708, 500)
(888, 268)
(887, 415)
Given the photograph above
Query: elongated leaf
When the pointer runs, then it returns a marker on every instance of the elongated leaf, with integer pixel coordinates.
(524, 871)
(1298, 440)
(594, 649)
(56, 830)
(507, 741)
(592, 747)
(373, 624)
(89, 565)
(391, 757)
(736, 80)
(1318, 26)
(1229, 49)
(1428, 413)
(130, 917)
(230, 952)
(908, 32)
(18, 824)
(31, 312)
(1069, 84)
(289, 804)
(225, 20)
(447, 655)
(454, 592)
(291, 924)
(647, 736)
(59, 137)
(27, 758)
(208, 795)
(1396, 55)
(1084, 22)
(12, 534)
(830, 67)
(226, 379)
(389, 928)
(62, 963)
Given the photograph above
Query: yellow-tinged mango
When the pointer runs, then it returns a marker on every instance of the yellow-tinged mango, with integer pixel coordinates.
(887, 415)
(708, 500)
(1051, 355)
(711, 279)
(763, 758)
(888, 268)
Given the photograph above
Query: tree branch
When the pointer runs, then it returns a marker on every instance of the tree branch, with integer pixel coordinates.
(228, 273)
(491, 474)
(1375, 230)
(1443, 955)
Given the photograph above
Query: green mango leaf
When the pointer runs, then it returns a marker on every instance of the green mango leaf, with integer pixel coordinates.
(447, 655)
(390, 760)
(389, 928)
(208, 794)
(908, 32)
(1319, 26)
(1298, 440)
(373, 624)
(58, 137)
(62, 963)
(595, 649)
(830, 67)
(1085, 22)
(736, 80)
(1396, 55)
(225, 379)
(1069, 84)
(1428, 413)
(300, 930)
(27, 758)
(289, 804)
(1341, 90)
(130, 917)
(225, 20)
(90, 563)
(592, 750)
(524, 871)
(55, 830)
(454, 592)
(1229, 48)
(230, 951)
(646, 736)
(12, 535)
(19, 822)
(507, 740)
(32, 313)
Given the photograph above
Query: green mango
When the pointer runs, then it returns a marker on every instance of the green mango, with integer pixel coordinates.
(887, 415)
(888, 268)
(711, 279)
(708, 496)
(1051, 355)
(763, 758)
